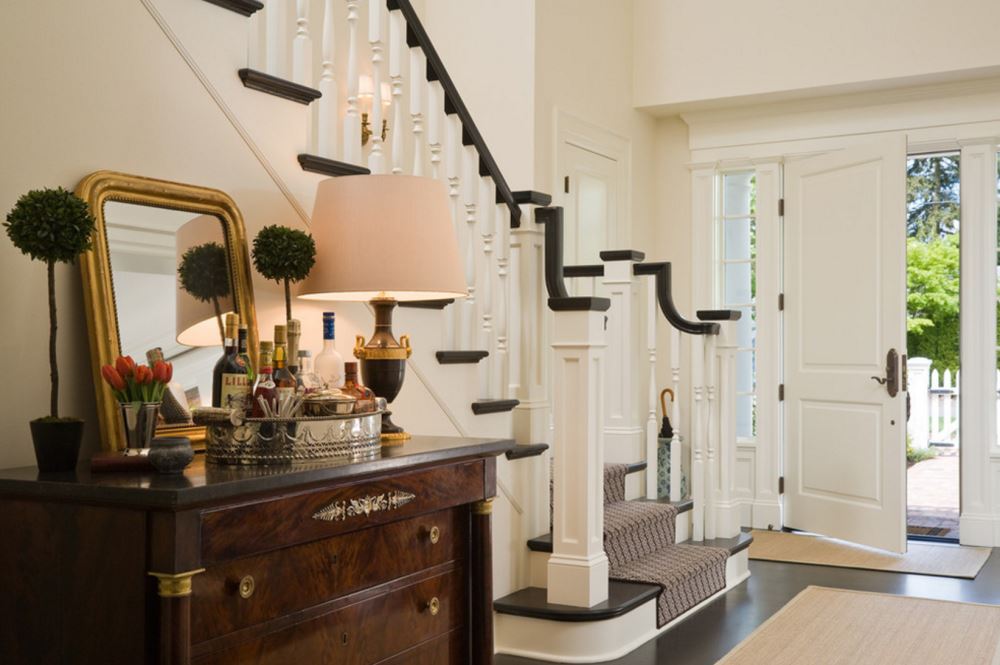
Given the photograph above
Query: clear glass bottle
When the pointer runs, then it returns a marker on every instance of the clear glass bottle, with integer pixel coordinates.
(307, 379)
(329, 364)
(228, 351)
(352, 386)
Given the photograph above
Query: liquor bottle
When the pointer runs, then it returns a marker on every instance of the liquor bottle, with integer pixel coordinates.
(236, 383)
(329, 364)
(264, 387)
(284, 380)
(241, 350)
(294, 334)
(364, 396)
(307, 379)
(229, 348)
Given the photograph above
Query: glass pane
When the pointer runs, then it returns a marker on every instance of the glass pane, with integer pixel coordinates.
(746, 328)
(736, 283)
(745, 416)
(744, 372)
(736, 239)
(737, 194)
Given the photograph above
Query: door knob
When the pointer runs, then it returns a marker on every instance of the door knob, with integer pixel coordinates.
(891, 380)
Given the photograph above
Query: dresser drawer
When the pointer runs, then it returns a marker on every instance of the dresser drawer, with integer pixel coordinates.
(237, 531)
(450, 649)
(363, 633)
(243, 592)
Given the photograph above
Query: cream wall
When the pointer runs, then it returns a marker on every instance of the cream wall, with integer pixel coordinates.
(691, 52)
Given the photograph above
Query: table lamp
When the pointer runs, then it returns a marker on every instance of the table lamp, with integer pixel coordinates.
(384, 239)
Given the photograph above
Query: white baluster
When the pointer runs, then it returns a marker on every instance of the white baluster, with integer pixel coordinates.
(275, 19)
(501, 372)
(712, 426)
(677, 462)
(652, 431)
(328, 103)
(376, 160)
(471, 199)
(302, 51)
(697, 434)
(453, 169)
(352, 120)
(435, 112)
(397, 47)
(418, 67)
(487, 217)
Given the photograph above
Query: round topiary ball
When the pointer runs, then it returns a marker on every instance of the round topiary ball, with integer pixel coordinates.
(204, 272)
(281, 253)
(50, 225)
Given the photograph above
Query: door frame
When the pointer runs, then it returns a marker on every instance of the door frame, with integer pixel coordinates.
(759, 467)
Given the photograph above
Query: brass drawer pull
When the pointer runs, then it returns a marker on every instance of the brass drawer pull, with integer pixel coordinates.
(434, 606)
(247, 586)
(434, 535)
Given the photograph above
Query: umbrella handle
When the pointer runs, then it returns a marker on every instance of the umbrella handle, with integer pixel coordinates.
(663, 401)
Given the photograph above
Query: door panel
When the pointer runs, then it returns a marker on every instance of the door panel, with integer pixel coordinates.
(845, 308)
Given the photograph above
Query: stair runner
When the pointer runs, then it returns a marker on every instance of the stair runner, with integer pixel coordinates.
(640, 542)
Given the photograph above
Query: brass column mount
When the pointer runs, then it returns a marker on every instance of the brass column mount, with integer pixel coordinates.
(484, 507)
(175, 585)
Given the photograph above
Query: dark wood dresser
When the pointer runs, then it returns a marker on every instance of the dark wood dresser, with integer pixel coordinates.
(382, 561)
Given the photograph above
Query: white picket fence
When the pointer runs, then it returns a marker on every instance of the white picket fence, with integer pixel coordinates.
(934, 404)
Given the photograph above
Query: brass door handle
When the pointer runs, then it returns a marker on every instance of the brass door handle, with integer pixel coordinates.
(247, 586)
(434, 606)
(879, 380)
(434, 535)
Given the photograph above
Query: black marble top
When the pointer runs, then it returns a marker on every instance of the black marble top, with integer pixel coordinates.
(202, 483)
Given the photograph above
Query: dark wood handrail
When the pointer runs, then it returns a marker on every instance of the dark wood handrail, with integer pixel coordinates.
(416, 35)
(664, 297)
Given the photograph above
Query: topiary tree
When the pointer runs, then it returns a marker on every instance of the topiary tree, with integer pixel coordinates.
(204, 274)
(284, 255)
(54, 226)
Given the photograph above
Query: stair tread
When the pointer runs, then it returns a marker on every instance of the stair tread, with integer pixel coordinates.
(734, 545)
(484, 406)
(522, 450)
(460, 357)
(623, 597)
(277, 86)
(243, 7)
(543, 543)
(330, 167)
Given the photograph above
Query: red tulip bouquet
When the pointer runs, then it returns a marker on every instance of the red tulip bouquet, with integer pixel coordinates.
(137, 383)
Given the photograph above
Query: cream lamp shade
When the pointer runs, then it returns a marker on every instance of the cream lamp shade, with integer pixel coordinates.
(196, 321)
(383, 236)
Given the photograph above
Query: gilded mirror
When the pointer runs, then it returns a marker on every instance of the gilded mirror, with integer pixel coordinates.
(136, 300)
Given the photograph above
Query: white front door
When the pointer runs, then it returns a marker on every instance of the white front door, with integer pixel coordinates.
(845, 309)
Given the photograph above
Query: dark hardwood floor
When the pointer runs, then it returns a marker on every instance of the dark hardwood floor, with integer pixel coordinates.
(708, 635)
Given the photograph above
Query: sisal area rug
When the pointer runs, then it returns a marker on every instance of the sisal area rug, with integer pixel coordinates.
(823, 626)
(921, 558)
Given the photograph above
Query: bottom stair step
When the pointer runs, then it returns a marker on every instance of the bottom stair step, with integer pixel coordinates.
(485, 406)
(623, 597)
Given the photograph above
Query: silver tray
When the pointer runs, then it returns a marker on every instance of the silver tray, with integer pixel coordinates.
(284, 441)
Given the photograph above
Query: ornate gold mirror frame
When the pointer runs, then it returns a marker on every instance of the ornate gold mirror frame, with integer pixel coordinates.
(98, 289)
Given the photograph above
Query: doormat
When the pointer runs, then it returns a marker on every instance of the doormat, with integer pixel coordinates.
(942, 559)
(935, 531)
(823, 625)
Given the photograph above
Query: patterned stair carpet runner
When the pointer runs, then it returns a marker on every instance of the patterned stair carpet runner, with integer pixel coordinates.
(640, 543)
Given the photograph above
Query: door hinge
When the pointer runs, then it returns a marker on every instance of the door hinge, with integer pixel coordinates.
(781, 207)
(566, 184)
(781, 302)
(781, 392)
(781, 484)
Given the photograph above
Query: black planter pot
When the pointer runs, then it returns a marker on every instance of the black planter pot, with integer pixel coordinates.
(57, 443)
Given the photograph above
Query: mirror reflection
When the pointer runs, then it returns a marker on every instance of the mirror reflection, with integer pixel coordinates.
(173, 289)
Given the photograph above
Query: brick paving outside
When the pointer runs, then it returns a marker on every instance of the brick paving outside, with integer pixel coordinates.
(932, 493)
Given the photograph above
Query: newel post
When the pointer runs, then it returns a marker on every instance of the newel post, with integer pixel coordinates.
(578, 567)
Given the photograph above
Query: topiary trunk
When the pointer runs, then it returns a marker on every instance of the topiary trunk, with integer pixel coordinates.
(288, 301)
(53, 368)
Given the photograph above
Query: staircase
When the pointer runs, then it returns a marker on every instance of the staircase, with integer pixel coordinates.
(288, 75)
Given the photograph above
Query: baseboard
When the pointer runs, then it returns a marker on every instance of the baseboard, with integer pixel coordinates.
(767, 515)
(978, 529)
